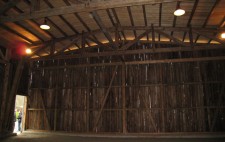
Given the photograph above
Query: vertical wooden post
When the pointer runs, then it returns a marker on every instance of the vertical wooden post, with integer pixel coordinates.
(56, 100)
(8, 115)
(124, 98)
(88, 97)
(4, 94)
(153, 37)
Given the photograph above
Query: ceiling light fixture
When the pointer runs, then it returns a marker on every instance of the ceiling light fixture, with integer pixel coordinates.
(45, 26)
(28, 51)
(179, 11)
(222, 35)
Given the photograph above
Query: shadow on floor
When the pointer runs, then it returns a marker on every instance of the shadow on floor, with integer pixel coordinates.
(61, 137)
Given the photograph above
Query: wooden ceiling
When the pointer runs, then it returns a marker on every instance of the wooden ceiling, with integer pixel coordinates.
(84, 23)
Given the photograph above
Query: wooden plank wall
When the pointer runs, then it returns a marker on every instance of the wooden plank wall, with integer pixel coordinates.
(165, 97)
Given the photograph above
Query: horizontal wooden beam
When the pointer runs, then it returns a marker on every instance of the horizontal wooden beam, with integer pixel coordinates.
(138, 51)
(162, 61)
(93, 6)
(129, 109)
(112, 29)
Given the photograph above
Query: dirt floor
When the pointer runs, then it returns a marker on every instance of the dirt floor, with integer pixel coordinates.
(62, 137)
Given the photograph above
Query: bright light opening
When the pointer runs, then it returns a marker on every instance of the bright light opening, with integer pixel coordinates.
(179, 12)
(28, 51)
(45, 27)
(223, 35)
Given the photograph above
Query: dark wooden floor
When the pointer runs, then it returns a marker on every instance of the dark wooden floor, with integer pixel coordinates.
(60, 137)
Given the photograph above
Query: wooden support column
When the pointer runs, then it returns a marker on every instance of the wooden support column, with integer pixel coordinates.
(3, 97)
(153, 37)
(56, 100)
(124, 119)
(8, 115)
(88, 97)
(104, 99)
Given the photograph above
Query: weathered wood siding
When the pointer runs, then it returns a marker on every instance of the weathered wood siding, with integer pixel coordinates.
(162, 97)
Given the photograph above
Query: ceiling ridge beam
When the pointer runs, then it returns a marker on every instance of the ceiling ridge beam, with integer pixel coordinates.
(80, 8)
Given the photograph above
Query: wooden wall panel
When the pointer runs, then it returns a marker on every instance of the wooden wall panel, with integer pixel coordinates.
(162, 97)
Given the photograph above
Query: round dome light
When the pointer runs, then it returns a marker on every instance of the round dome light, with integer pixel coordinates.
(179, 12)
(45, 27)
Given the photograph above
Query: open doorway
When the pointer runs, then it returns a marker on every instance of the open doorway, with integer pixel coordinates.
(19, 114)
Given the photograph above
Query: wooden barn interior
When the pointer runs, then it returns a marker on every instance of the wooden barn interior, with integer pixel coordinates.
(118, 67)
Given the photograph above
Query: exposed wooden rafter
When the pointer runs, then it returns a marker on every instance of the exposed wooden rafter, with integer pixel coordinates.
(160, 18)
(16, 33)
(62, 18)
(145, 18)
(207, 18)
(191, 16)
(118, 22)
(10, 4)
(80, 8)
(102, 27)
(131, 20)
(175, 17)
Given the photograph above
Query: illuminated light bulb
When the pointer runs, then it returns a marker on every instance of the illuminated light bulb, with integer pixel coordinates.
(45, 26)
(222, 35)
(179, 12)
(28, 51)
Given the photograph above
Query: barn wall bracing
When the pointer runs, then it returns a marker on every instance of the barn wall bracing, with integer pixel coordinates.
(142, 95)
